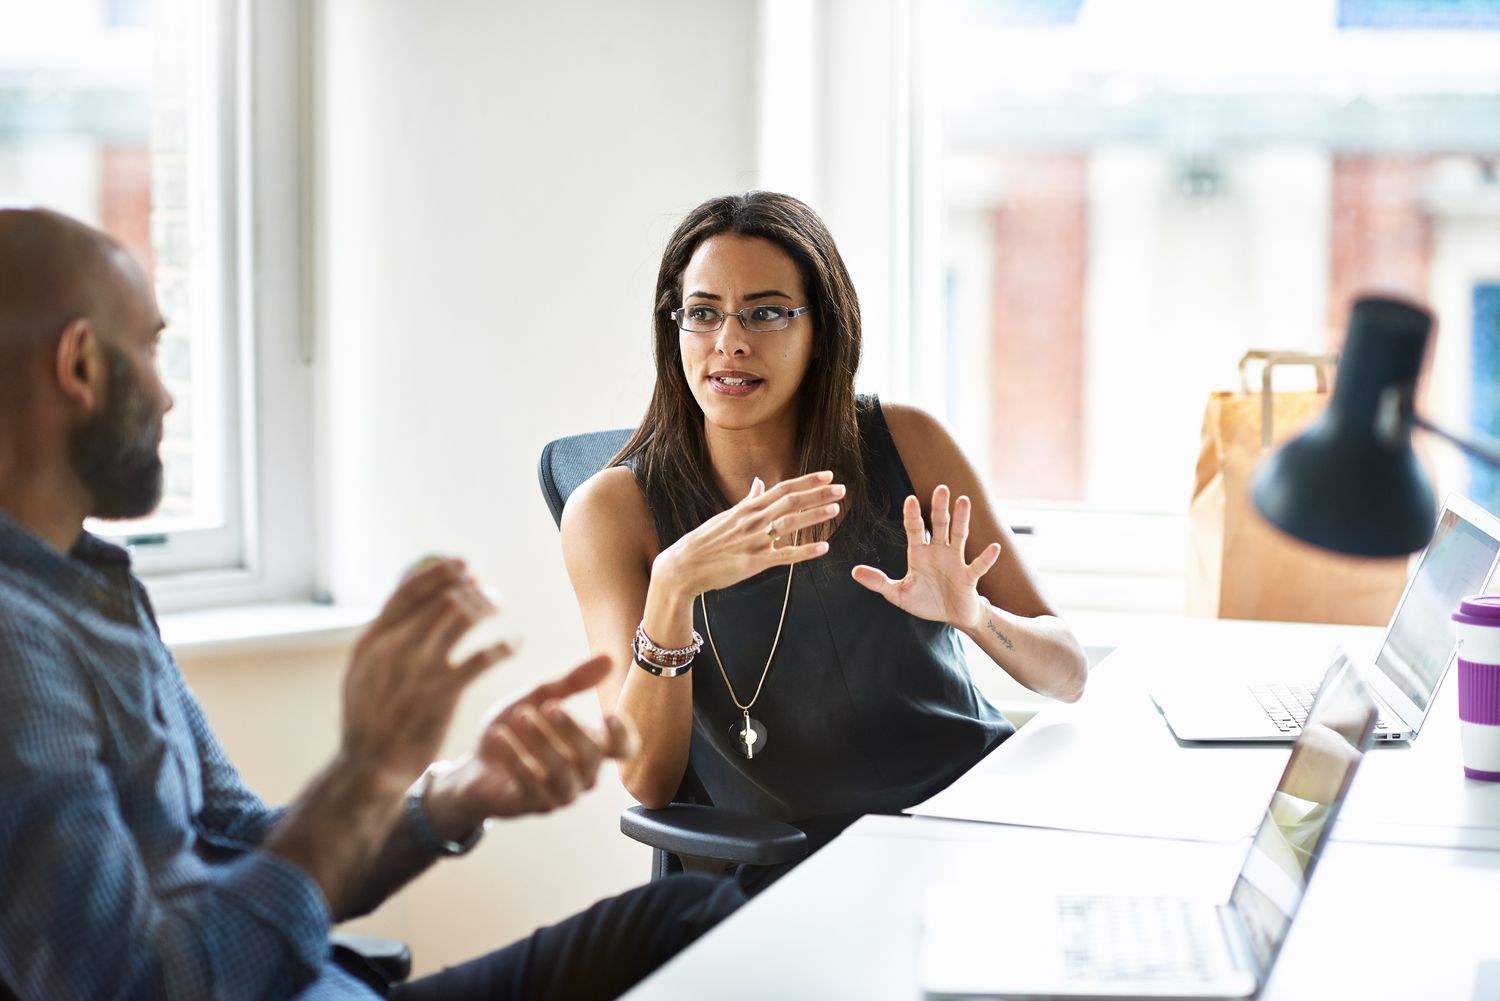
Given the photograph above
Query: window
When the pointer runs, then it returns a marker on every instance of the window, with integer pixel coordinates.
(112, 116)
(157, 123)
(1123, 197)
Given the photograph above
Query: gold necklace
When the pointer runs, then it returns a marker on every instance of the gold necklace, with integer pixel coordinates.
(749, 736)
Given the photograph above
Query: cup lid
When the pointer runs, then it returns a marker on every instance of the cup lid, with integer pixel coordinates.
(1479, 610)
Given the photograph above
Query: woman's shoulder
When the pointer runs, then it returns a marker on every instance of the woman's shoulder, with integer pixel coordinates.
(608, 505)
(913, 428)
(927, 448)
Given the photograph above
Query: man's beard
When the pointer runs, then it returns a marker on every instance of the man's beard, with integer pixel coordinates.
(116, 454)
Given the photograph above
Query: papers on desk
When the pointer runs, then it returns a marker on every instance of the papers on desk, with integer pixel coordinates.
(1108, 809)
(1066, 771)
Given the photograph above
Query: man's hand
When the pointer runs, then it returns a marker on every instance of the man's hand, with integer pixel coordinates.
(399, 695)
(400, 690)
(532, 757)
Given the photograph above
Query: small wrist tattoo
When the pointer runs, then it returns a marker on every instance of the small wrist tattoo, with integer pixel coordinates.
(990, 625)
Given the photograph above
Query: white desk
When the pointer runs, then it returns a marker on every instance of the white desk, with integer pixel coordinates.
(846, 923)
(1110, 764)
(1402, 904)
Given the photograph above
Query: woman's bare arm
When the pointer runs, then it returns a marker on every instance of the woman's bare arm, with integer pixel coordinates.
(1011, 621)
(609, 544)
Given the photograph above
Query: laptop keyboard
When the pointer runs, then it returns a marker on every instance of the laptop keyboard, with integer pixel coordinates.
(1288, 705)
(1138, 939)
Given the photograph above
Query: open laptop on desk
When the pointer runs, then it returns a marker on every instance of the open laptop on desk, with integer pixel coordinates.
(1162, 947)
(1414, 655)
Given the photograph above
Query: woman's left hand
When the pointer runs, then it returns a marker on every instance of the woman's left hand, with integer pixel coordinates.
(939, 585)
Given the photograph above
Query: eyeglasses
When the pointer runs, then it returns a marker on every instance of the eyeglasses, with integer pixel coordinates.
(760, 319)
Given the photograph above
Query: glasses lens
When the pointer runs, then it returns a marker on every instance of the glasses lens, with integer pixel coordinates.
(699, 319)
(766, 317)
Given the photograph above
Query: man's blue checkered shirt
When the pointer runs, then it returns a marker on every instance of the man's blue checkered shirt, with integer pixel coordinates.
(128, 866)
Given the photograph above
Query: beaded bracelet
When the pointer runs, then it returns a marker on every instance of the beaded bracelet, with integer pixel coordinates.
(645, 663)
(666, 656)
(660, 670)
(664, 662)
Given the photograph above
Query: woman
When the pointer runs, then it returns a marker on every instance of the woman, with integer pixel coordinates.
(765, 507)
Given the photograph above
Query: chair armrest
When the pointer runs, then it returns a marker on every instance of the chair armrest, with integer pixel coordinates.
(391, 960)
(711, 833)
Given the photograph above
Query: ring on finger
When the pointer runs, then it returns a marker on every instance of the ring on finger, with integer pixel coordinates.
(771, 531)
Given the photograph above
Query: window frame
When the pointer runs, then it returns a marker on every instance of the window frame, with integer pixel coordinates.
(266, 110)
(1087, 559)
(160, 549)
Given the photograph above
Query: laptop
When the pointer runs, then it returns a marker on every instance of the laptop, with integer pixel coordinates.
(1161, 947)
(1414, 656)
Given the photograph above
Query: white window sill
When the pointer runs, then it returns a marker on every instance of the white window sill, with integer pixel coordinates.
(262, 628)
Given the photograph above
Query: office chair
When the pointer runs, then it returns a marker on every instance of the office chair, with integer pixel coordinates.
(689, 826)
(388, 960)
(385, 961)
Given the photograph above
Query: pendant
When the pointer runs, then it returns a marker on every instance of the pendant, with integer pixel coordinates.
(748, 736)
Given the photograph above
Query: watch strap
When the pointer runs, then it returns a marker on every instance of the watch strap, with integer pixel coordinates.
(415, 811)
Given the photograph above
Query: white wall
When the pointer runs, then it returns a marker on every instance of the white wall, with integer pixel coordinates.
(495, 184)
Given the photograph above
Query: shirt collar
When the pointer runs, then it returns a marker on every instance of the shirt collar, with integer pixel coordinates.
(92, 571)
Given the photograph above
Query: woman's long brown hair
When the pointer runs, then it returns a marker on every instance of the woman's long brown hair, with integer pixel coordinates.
(668, 450)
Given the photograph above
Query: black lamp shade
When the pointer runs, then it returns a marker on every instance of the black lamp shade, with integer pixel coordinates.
(1351, 482)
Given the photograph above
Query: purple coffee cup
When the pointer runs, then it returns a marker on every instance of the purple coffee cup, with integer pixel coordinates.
(1477, 624)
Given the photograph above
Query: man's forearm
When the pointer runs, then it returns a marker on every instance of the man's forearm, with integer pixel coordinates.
(339, 828)
(401, 856)
(399, 860)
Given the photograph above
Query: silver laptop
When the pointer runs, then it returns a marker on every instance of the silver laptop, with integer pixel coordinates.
(1414, 656)
(1162, 947)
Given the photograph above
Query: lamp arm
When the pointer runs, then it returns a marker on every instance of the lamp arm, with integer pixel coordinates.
(1478, 445)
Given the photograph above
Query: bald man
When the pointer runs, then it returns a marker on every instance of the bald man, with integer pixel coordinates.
(134, 862)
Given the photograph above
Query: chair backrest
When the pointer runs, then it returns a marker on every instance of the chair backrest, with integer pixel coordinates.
(567, 462)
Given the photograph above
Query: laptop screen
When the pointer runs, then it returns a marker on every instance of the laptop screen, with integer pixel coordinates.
(1303, 808)
(1421, 641)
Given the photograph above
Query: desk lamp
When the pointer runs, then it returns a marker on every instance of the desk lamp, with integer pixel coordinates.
(1351, 482)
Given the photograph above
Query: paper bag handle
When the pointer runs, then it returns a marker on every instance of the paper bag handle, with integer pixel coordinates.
(1321, 363)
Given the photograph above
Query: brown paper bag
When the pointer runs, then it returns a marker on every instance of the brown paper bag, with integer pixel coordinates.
(1240, 566)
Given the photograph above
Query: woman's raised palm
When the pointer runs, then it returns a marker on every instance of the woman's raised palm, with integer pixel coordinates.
(939, 585)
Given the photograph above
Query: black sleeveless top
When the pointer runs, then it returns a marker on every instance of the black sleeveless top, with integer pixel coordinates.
(867, 709)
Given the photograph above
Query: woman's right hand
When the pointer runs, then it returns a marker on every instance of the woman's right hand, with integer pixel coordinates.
(751, 536)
